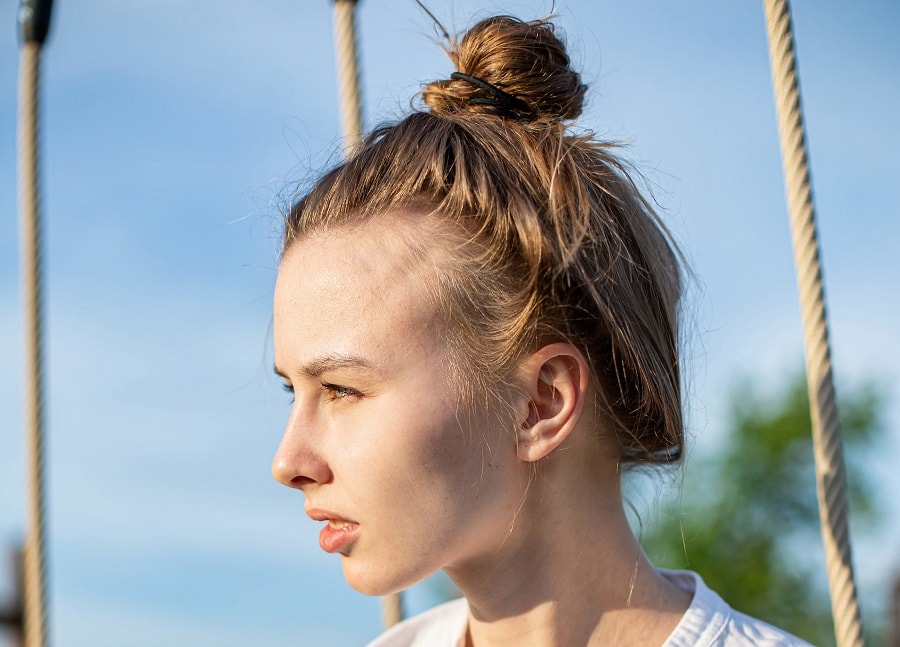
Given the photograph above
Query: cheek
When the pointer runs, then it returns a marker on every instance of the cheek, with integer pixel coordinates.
(427, 465)
(461, 469)
(438, 491)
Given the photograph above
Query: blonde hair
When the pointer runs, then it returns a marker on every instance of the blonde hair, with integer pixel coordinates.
(556, 242)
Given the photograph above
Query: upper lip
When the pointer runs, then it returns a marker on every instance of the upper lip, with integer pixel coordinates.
(320, 514)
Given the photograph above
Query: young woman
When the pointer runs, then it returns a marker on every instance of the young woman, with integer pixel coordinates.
(477, 315)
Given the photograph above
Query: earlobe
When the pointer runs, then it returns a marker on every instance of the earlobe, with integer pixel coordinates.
(556, 379)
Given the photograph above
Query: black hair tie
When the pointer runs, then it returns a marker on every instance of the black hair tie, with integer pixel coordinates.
(504, 101)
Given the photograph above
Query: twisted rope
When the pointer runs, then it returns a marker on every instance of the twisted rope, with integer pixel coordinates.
(830, 476)
(392, 609)
(34, 576)
(348, 73)
(351, 127)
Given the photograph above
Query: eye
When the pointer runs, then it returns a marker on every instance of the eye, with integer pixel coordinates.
(337, 392)
(290, 389)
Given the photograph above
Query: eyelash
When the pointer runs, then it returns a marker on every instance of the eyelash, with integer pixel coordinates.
(337, 392)
(334, 391)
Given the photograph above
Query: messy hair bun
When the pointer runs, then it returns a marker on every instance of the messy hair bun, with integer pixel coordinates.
(526, 61)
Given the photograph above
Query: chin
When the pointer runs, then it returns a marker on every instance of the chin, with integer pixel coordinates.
(378, 581)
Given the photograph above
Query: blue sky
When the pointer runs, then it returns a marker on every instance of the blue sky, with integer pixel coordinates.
(174, 133)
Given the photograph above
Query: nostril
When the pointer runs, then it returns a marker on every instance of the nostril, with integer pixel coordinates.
(300, 481)
(298, 467)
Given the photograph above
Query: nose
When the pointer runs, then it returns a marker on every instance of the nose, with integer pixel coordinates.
(299, 462)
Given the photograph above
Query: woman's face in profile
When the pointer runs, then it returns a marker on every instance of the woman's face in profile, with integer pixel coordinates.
(405, 480)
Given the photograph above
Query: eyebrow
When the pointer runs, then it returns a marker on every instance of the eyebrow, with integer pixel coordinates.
(320, 365)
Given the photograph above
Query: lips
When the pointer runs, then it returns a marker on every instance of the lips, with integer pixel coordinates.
(338, 534)
(335, 538)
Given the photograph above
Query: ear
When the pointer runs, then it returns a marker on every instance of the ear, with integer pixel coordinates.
(556, 379)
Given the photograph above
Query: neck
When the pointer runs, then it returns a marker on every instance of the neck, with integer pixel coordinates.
(570, 572)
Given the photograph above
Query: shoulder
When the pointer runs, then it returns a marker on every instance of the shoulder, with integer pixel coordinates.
(442, 626)
(710, 622)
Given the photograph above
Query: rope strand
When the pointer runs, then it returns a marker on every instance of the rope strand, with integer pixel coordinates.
(392, 609)
(348, 73)
(830, 477)
(34, 569)
(351, 124)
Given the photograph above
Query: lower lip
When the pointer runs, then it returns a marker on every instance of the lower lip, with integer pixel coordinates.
(333, 540)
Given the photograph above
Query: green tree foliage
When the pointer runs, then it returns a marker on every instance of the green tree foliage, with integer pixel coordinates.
(748, 517)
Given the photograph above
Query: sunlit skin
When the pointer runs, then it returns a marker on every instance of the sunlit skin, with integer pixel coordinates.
(521, 509)
(375, 434)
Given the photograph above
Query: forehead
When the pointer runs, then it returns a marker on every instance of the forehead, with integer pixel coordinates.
(354, 290)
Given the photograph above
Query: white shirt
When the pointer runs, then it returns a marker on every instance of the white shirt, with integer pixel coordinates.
(708, 622)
